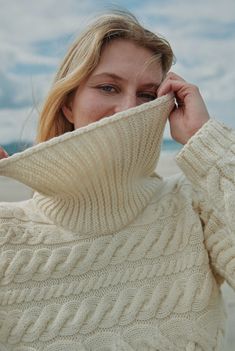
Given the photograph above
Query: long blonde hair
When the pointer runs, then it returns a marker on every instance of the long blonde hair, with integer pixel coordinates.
(83, 57)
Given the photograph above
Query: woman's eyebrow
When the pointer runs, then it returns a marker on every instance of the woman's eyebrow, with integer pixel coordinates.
(108, 74)
(154, 85)
(151, 85)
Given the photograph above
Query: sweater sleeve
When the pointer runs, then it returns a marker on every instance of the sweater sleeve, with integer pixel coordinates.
(208, 161)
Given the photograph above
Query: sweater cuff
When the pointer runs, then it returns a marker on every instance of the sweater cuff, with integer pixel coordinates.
(204, 149)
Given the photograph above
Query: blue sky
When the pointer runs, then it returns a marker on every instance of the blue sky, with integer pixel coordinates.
(34, 36)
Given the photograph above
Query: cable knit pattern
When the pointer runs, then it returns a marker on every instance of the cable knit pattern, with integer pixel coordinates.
(107, 255)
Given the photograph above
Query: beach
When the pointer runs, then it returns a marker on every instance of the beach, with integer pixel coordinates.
(11, 190)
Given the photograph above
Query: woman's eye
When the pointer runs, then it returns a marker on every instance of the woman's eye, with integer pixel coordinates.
(147, 96)
(107, 88)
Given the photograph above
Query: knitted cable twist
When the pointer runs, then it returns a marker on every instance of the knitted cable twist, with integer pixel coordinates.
(137, 338)
(41, 264)
(106, 280)
(106, 311)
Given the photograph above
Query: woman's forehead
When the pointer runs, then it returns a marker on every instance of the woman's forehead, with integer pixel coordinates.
(123, 57)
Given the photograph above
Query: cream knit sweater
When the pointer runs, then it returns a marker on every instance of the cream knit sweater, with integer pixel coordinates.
(109, 256)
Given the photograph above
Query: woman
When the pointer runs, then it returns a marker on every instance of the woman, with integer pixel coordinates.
(107, 255)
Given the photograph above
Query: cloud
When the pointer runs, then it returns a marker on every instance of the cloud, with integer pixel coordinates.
(17, 124)
(189, 11)
(18, 92)
(35, 36)
(40, 20)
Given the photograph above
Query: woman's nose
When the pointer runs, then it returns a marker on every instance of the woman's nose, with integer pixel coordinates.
(125, 103)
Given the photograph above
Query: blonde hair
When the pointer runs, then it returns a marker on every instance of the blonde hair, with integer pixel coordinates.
(83, 57)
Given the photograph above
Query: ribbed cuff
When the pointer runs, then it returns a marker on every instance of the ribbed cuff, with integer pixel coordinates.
(204, 149)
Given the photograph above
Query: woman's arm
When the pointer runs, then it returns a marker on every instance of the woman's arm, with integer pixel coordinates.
(208, 161)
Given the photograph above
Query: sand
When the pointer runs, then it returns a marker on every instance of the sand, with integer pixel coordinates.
(11, 190)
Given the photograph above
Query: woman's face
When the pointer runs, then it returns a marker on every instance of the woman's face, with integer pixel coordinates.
(122, 79)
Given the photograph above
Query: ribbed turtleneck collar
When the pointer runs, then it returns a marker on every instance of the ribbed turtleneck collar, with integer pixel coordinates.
(96, 179)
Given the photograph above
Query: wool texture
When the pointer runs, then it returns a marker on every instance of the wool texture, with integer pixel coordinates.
(107, 255)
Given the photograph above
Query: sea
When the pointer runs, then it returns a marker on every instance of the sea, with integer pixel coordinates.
(168, 145)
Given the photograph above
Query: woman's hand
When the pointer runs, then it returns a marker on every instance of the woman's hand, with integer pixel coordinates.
(190, 113)
(3, 153)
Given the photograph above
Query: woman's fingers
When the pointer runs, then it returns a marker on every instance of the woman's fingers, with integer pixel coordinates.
(170, 85)
(3, 153)
(176, 84)
(190, 112)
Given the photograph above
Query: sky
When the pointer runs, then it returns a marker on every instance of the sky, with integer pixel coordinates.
(35, 36)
